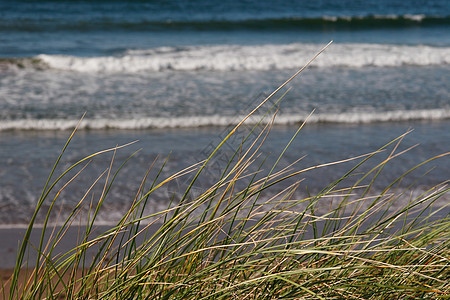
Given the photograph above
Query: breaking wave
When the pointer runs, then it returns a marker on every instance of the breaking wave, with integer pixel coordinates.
(238, 58)
(216, 120)
(258, 58)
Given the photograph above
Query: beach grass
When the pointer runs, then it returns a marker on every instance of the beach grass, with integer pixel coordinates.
(243, 238)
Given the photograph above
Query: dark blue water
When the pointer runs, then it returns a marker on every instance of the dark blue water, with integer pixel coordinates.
(106, 27)
(177, 74)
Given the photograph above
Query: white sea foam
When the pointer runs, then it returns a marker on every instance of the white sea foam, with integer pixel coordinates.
(416, 18)
(216, 120)
(259, 58)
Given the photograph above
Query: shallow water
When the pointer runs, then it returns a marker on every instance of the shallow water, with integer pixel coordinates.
(177, 76)
(29, 157)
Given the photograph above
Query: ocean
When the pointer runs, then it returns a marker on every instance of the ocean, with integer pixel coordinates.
(175, 76)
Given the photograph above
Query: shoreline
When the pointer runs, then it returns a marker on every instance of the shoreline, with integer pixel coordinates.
(12, 237)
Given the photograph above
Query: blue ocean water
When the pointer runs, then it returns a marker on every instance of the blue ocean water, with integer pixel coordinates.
(177, 74)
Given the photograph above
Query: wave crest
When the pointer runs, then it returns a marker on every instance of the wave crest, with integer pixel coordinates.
(258, 58)
(216, 120)
(283, 23)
